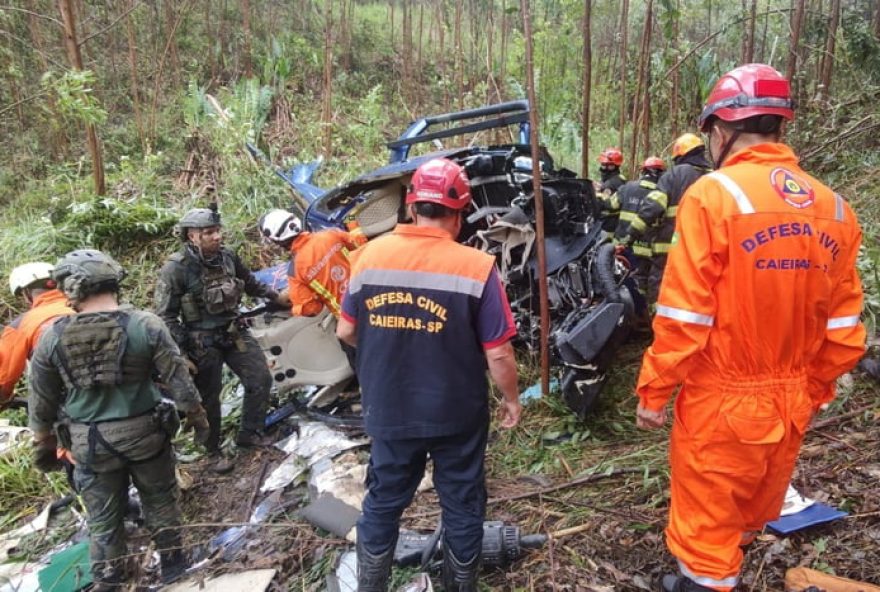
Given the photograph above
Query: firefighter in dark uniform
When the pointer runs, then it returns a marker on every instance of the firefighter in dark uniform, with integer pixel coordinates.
(656, 217)
(610, 161)
(98, 365)
(198, 295)
(638, 250)
(427, 316)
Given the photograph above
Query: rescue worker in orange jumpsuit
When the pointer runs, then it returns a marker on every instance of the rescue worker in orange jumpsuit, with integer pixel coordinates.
(319, 268)
(758, 315)
(32, 281)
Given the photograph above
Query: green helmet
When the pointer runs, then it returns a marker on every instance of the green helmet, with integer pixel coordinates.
(198, 218)
(84, 271)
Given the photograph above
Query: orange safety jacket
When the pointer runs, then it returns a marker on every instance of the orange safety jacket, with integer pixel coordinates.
(319, 273)
(761, 282)
(19, 338)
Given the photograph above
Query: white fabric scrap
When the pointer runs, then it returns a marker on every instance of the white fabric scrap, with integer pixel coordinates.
(795, 502)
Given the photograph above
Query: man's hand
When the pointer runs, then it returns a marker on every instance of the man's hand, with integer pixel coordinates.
(45, 456)
(197, 420)
(649, 420)
(509, 412)
(191, 366)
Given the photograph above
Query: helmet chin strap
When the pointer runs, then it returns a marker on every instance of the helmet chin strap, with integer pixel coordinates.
(725, 149)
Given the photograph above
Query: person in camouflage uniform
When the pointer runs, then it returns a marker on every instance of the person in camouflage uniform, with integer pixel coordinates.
(198, 295)
(98, 365)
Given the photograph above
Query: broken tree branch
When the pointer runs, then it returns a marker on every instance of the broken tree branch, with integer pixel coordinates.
(32, 13)
(124, 14)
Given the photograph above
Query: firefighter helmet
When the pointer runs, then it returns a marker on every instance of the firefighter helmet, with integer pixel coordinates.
(280, 226)
(654, 163)
(29, 275)
(611, 157)
(685, 143)
(440, 181)
(748, 91)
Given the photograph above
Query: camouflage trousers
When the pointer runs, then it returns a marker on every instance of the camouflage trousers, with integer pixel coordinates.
(103, 487)
(245, 358)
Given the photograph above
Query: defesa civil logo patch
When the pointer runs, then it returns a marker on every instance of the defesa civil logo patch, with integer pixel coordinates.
(793, 189)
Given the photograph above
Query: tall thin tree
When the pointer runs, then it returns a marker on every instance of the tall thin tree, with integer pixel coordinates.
(587, 35)
(539, 201)
(68, 17)
(828, 58)
(797, 21)
(624, 26)
(327, 91)
(245, 6)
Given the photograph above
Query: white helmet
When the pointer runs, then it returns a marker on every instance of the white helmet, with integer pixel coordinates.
(24, 276)
(280, 226)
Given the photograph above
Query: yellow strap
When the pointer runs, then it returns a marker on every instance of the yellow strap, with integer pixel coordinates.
(628, 216)
(638, 224)
(660, 197)
(329, 299)
(662, 247)
(671, 211)
(642, 251)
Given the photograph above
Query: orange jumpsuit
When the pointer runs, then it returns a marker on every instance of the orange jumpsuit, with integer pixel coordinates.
(758, 314)
(319, 273)
(19, 338)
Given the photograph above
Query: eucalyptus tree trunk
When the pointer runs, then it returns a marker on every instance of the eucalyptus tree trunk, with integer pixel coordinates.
(327, 91)
(624, 23)
(134, 84)
(539, 202)
(245, 6)
(459, 56)
(674, 108)
(794, 44)
(828, 58)
(68, 17)
(587, 36)
(749, 44)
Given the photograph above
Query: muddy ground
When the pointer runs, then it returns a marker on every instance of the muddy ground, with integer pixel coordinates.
(618, 515)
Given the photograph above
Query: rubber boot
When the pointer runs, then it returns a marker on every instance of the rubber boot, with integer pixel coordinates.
(107, 577)
(174, 565)
(673, 583)
(459, 576)
(374, 571)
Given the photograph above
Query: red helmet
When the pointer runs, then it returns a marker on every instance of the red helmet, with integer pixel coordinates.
(611, 156)
(652, 162)
(440, 181)
(748, 91)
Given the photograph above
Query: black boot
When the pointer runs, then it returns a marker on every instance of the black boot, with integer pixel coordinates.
(673, 583)
(174, 565)
(459, 576)
(374, 571)
(107, 577)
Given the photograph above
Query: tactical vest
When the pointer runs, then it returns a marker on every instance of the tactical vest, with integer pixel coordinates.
(221, 289)
(92, 351)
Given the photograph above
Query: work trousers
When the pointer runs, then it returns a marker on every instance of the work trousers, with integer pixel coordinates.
(732, 452)
(245, 358)
(396, 468)
(105, 496)
(655, 277)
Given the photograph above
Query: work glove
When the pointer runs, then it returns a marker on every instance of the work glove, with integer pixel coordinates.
(197, 420)
(45, 456)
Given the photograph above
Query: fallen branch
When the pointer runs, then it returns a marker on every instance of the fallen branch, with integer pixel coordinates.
(854, 130)
(824, 423)
(574, 482)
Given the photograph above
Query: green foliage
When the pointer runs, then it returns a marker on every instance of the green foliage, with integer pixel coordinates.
(23, 489)
(74, 96)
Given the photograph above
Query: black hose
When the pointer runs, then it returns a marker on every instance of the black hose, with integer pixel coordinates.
(605, 273)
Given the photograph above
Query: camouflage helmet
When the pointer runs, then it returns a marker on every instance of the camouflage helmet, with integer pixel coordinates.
(198, 218)
(80, 272)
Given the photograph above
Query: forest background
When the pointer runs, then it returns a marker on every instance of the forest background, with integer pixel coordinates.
(116, 116)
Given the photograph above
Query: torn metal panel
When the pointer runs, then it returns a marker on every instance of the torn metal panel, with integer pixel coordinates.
(256, 580)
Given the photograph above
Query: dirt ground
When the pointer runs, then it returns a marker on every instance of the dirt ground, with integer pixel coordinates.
(618, 515)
